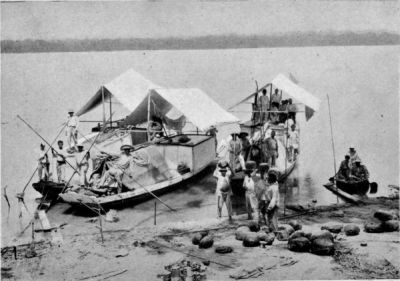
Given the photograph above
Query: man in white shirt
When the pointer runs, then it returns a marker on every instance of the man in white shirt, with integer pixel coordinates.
(223, 191)
(43, 164)
(263, 105)
(60, 155)
(72, 128)
(293, 143)
(116, 169)
(251, 200)
(273, 198)
(276, 98)
(82, 163)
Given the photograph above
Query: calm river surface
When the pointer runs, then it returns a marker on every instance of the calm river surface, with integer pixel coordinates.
(362, 84)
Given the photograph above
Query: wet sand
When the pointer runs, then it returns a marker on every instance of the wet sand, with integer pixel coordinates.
(146, 248)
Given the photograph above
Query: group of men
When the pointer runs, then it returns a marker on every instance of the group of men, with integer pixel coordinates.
(60, 153)
(240, 149)
(80, 162)
(262, 194)
(275, 109)
(351, 168)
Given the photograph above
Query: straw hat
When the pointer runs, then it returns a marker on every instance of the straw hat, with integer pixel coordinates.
(71, 110)
(126, 147)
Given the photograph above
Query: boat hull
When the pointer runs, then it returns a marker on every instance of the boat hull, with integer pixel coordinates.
(130, 198)
(360, 188)
(49, 190)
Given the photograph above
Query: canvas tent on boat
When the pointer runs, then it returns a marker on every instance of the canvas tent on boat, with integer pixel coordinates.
(290, 87)
(129, 89)
(195, 105)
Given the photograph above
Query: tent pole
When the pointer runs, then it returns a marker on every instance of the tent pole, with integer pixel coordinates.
(148, 116)
(104, 106)
(110, 112)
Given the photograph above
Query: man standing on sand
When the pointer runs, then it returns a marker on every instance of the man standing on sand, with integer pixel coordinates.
(251, 200)
(273, 198)
(72, 128)
(223, 191)
(234, 149)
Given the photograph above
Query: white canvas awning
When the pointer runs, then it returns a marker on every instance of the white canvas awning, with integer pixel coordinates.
(129, 89)
(193, 103)
(298, 93)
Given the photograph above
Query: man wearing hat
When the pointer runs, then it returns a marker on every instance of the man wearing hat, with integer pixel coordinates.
(72, 127)
(82, 163)
(212, 131)
(223, 190)
(359, 172)
(43, 164)
(353, 156)
(116, 170)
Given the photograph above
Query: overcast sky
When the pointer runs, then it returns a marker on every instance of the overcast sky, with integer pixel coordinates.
(155, 19)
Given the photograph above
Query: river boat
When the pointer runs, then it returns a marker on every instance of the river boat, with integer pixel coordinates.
(259, 131)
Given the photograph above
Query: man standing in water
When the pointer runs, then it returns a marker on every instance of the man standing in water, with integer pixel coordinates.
(273, 198)
(72, 127)
(82, 163)
(43, 164)
(223, 191)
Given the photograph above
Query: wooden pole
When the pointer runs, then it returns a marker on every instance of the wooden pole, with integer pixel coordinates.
(33, 231)
(155, 212)
(148, 116)
(333, 147)
(101, 228)
(286, 153)
(110, 112)
(104, 106)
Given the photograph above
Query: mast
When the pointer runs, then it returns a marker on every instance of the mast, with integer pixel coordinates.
(110, 111)
(104, 106)
(333, 147)
(148, 116)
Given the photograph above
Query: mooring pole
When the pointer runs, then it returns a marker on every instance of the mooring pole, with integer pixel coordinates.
(155, 212)
(101, 228)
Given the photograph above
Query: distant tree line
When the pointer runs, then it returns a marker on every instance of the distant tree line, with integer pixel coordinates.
(202, 42)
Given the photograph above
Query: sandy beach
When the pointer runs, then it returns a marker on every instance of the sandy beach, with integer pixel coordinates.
(130, 249)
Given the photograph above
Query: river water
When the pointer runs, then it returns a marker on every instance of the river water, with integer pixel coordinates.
(362, 84)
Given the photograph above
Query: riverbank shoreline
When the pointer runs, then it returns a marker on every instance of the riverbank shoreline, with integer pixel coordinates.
(146, 249)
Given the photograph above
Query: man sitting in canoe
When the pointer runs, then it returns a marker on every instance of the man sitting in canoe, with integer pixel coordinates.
(344, 169)
(359, 172)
